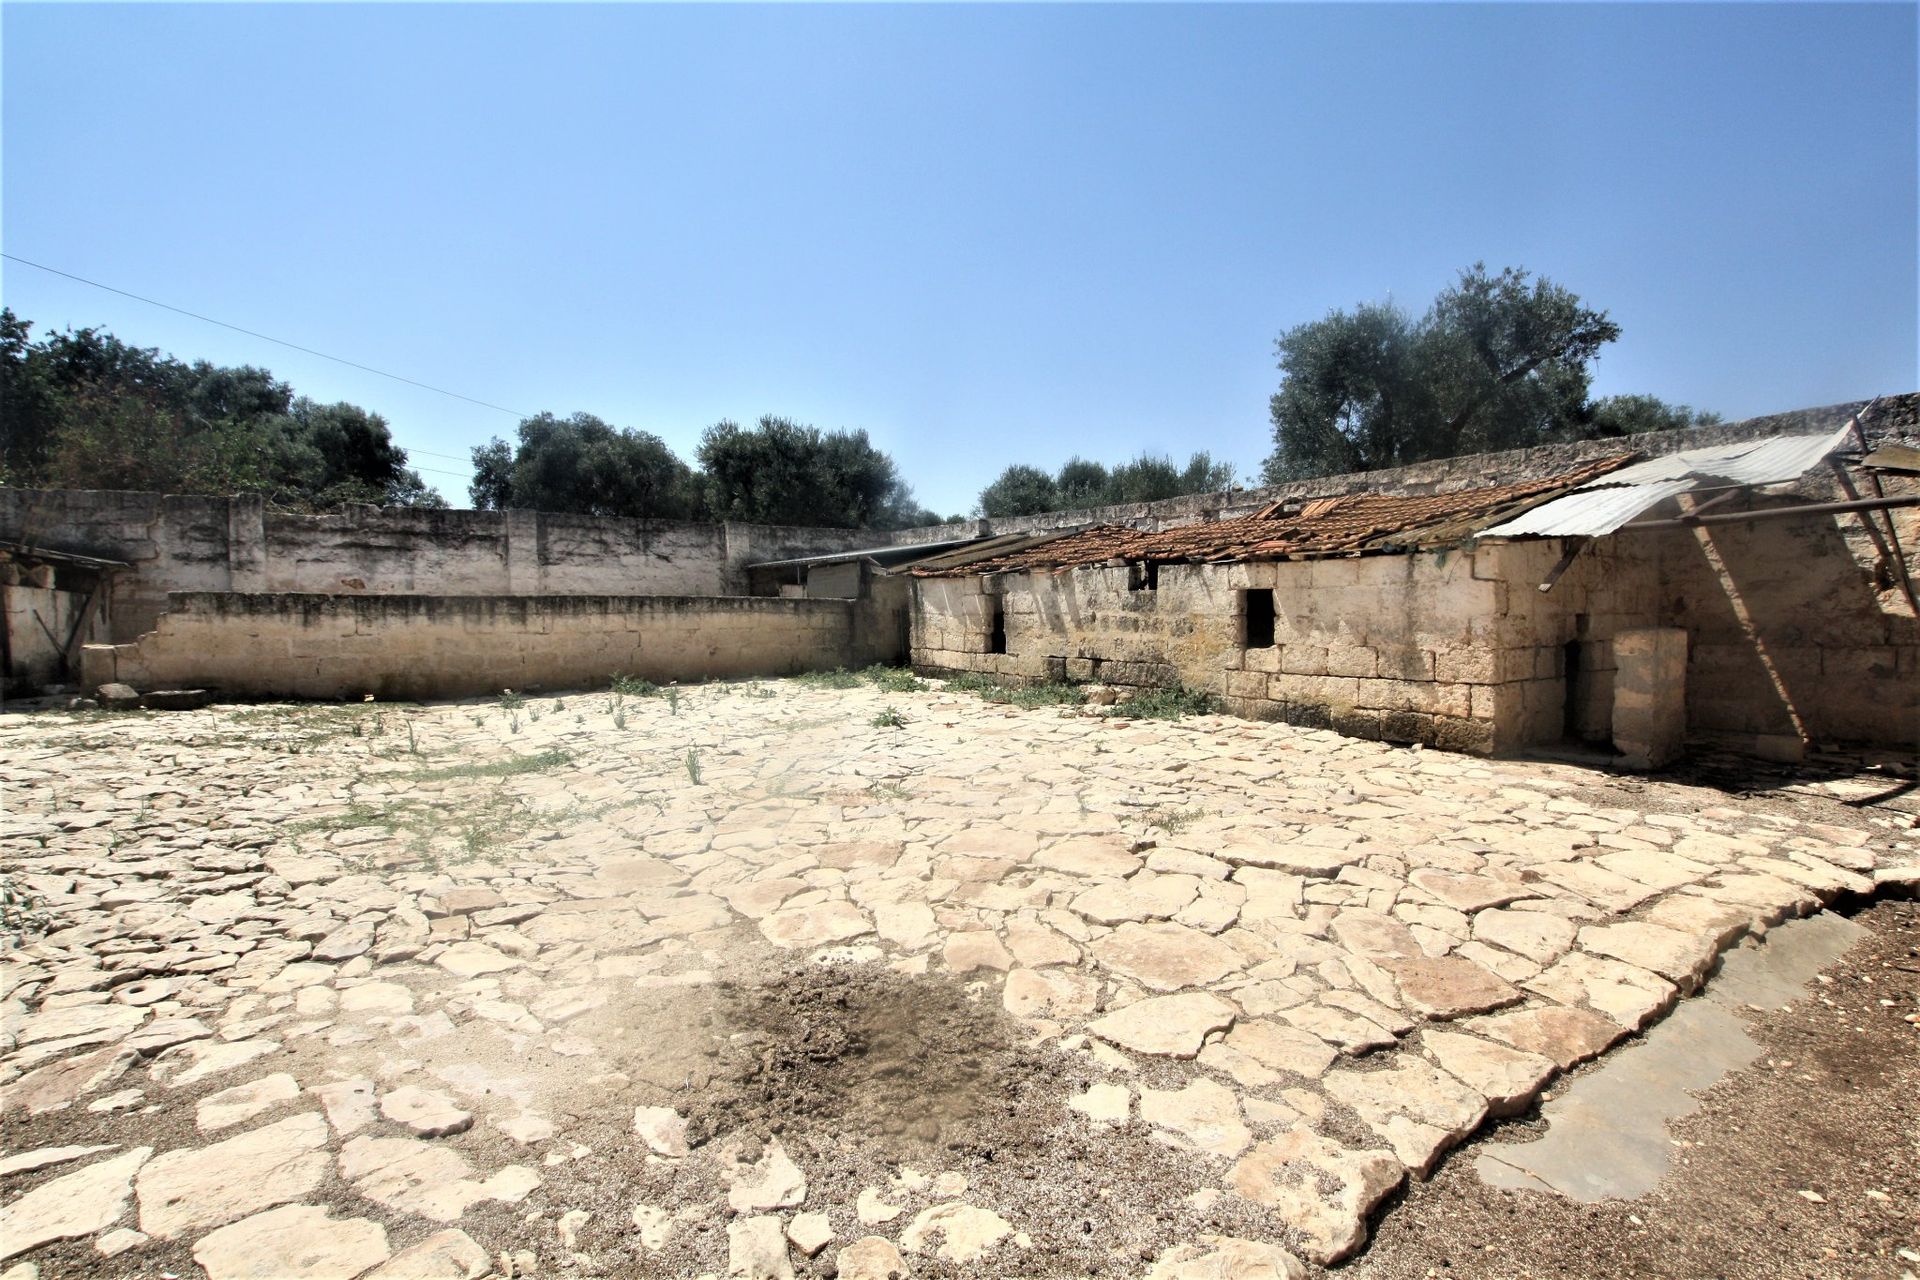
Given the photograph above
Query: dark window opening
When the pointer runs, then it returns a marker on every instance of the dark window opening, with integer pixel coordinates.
(1143, 575)
(997, 635)
(1257, 628)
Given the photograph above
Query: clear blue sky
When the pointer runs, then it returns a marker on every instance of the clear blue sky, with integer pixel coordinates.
(984, 234)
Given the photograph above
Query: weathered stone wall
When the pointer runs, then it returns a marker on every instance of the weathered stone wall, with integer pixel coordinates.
(1796, 629)
(236, 544)
(38, 621)
(1458, 649)
(395, 646)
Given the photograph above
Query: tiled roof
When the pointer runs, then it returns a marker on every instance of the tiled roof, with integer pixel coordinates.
(1346, 525)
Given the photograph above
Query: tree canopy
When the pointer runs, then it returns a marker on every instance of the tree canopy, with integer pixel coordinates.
(775, 472)
(1499, 361)
(1022, 490)
(83, 410)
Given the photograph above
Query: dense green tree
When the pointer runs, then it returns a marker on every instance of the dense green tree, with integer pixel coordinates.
(582, 465)
(1499, 361)
(780, 472)
(1632, 415)
(82, 409)
(1022, 490)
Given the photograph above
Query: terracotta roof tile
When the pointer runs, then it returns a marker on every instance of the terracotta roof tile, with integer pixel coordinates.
(1345, 525)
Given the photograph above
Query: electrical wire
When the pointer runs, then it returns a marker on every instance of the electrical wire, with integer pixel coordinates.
(251, 333)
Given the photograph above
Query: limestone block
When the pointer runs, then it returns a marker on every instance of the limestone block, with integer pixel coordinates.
(1649, 699)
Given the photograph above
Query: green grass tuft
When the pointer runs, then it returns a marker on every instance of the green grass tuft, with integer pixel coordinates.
(537, 762)
(1167, 704)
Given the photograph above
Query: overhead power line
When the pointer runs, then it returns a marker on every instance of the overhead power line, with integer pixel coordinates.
(251, 333)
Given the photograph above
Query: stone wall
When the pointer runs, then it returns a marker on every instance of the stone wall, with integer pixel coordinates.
(236, 544)
(278, 644)
(1797, 631)
(1458, 649)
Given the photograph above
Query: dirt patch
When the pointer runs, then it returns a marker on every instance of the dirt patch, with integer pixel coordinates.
(1832, 1108)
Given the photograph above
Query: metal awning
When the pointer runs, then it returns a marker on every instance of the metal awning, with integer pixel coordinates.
(21, 551)
(1604, 505)
(880, 555)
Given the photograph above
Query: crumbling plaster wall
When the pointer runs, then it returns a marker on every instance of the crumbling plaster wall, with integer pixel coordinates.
(394, 646)
(1459, 649)
(236, 544)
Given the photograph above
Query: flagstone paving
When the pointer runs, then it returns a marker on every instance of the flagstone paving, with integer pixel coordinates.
(742, 982)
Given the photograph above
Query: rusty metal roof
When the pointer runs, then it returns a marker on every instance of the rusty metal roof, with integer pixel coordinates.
(1348, 525)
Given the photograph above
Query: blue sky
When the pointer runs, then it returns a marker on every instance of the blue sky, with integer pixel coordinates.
(985, 234)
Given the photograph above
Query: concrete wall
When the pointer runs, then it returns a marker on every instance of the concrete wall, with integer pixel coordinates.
(393, 646)
(235, 544)
(1457, 649)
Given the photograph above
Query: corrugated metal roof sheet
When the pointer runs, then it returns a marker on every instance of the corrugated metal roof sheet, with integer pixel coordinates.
(1588, 512)
(1604, 505)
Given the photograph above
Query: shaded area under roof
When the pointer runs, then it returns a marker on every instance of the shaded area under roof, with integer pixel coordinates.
(21, 551)
(1349, 525)
(1610, 502)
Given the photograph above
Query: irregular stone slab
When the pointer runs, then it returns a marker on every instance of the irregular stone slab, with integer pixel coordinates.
(294, 1242)
(1538, 936)
(1098, 856)
(771, 1182)
(982, 949)
(1287, 1174)
(757, 1249)
(431, 1180)
(1508, 1078)
(344, 943)
(1036, 946)
(810, 1233)
(376, 998)
(1464, 891)
(191, 1063)
(1168, 1026)
(1681, 958)
(444, 1255)
(81, 1024)
(425, 1113)
(815, 926)
(1102, 1104)
(1226, 1258)
(59, 1085)
(1375, 935)
(1660, 868)
(76, 1204)
(904, 924)
(1418, 1110)
(1597, 884)
(965, 1231)
(1205, 1115)
(349, 1104)
(164, 1033)
(1562, 1033)
(1629, 995)
(873, 1208)
(474, 960)
(213, 1185)
(47, 1157)
(1281, 1048)
(229, 1107)
(1050, 993)
(1689, 913)
(1247, 849)
(871, 1258)
(663, 1129)
(1165, 956)
(1342, 1028)
(1443, 987)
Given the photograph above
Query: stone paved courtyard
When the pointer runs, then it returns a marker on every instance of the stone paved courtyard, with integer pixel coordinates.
(761, 980)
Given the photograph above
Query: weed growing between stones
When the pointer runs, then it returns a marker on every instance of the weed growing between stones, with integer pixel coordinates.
(693, 766)
(888, 718)
(1170, 703)
(893, 679)
(537, 762)
(511, 701)
(633, 686)
(1029, 696)
(838, 678)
